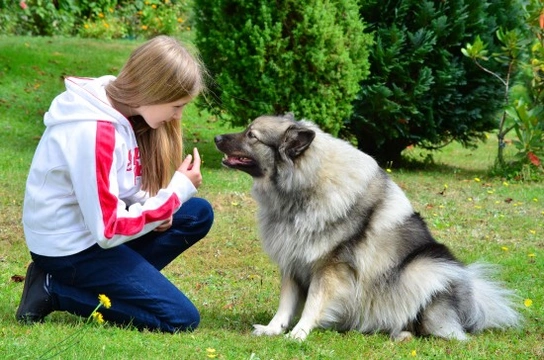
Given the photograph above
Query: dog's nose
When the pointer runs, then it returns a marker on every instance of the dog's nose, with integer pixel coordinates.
(218, 139)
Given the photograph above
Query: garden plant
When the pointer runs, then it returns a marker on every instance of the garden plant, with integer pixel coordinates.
(522, 51)
(421, 89)
(308, 58)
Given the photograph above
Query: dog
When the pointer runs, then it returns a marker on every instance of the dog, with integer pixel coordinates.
(352, 252)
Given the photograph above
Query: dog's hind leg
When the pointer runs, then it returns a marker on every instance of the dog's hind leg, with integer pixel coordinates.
(290, 296)
(329, 297)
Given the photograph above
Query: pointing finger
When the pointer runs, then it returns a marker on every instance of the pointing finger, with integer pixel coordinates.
(197, 160)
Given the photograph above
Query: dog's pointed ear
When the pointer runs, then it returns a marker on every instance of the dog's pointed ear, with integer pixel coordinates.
(296, 140)
(289, 116)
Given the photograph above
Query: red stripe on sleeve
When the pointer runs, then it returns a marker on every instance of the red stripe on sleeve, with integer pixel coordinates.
(113, 225)
(105, 146)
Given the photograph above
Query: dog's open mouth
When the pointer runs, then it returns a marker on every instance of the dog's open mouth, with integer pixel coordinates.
(238, 161)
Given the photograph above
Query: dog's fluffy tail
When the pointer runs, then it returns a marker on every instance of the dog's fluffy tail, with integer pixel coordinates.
(494, 306)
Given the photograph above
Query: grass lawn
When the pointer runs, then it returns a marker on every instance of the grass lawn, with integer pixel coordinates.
(227, 275)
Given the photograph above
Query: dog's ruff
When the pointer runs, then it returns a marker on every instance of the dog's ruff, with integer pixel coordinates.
(352, 252)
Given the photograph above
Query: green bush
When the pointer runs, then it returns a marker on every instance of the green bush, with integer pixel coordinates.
(422, 90)
(271, 57)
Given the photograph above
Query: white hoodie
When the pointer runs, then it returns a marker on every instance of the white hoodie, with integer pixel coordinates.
(84, 185)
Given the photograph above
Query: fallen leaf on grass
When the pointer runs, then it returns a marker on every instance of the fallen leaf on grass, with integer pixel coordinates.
(17, 278)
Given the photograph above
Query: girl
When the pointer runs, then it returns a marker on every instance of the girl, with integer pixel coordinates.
(109, 199)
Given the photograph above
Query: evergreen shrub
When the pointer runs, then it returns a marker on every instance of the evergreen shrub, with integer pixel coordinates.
(421, 89)
(273, 57)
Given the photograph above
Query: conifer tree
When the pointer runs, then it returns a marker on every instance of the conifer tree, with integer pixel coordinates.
(273, 57)
(421, 89)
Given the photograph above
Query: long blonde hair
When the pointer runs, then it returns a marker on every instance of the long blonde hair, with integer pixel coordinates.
(160, 71)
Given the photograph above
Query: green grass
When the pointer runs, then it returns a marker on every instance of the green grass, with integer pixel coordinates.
(227, 275)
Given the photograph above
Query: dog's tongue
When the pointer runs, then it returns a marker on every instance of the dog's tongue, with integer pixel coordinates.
(238, 160)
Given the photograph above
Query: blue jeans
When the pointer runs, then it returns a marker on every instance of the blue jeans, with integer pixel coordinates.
(130, 276)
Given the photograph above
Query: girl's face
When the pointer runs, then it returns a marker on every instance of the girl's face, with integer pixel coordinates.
(157, 115)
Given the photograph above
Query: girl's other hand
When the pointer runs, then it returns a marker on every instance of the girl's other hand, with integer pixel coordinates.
(165, 225)
(190, 167)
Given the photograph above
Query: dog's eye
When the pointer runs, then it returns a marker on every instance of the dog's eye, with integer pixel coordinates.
(251, 135)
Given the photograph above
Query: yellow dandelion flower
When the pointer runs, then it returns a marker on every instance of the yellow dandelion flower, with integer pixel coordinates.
(528, 302)
(101, 15)
(106, 25)
(505, 183)
(445, 186)
(98, 317)
(469, 199)
(211, 353)
(110, 10)
(180, 20)
(144, 27)
(504, 248)
(535, 199)
(388, 170)
(477, 179)
(532, 232)
(531, 255)
(154, 6)
(86, 26)
(413, 353)
(104, 300)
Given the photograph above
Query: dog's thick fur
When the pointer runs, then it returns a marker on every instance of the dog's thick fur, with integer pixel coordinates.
(352, 252)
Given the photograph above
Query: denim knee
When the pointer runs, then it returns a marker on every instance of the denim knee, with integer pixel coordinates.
(186, 319)
(206, 214)
(200, 213)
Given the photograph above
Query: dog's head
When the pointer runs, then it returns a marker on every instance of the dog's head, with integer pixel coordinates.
(267, 141)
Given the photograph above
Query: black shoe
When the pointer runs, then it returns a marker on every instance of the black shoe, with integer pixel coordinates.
(36, 302)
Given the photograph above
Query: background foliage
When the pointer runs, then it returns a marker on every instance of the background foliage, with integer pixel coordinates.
(421, 90)
(105, 19)
(272, 57)
(522, 54)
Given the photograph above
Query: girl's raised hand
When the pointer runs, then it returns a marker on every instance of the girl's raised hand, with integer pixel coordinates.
(190, 167)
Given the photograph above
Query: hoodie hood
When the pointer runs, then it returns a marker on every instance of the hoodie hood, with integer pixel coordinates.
(84, 100)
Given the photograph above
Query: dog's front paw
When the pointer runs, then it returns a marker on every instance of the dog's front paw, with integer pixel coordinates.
(266, 330)
(298, 333)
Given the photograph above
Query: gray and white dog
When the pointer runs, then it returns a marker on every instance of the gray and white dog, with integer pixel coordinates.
(353, 253)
